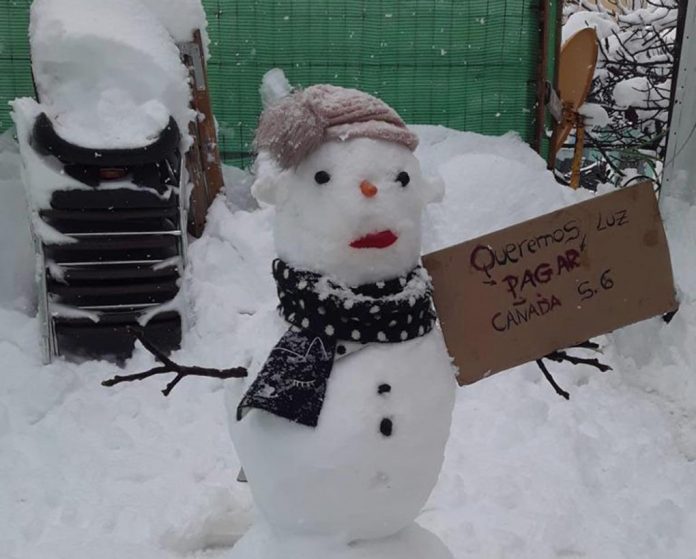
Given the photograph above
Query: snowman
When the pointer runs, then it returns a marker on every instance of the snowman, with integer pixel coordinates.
(342, 422)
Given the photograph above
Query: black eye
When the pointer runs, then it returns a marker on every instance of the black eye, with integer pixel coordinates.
(322, 177)
(403, 178)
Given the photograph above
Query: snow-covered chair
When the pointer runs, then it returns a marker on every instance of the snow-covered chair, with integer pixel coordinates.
(104, 172)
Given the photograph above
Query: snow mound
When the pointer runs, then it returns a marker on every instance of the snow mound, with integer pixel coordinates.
(603, 23)
(632, 92)
(491, 183)
(107, 72)
(180, 17)
(41, 176)
(595, 115)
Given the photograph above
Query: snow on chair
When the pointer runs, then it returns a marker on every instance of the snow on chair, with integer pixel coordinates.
(105, 175)
(128, 257)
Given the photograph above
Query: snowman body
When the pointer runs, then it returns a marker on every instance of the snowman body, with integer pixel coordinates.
(349, 211)
(368, 467)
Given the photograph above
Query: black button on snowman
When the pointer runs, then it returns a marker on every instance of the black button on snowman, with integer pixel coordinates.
(342, 423)
(386, 425)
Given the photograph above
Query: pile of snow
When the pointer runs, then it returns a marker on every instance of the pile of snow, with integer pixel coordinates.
(483, 175)
(632, 92)
(181, 18)
(94, 472)
(41, 176)
(108, 73)
(603, 23)
(595, 115)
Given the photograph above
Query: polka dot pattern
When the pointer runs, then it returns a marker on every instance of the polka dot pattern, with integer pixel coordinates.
(293, 380)
(368, 313)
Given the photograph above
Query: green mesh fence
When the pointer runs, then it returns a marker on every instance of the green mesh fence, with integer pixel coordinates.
(15, 69)
(467, 64)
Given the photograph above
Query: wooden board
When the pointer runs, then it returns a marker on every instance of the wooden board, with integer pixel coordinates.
(203, 158)
(520, 293)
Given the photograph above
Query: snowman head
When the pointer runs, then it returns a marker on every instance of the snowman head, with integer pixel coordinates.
(347, 189)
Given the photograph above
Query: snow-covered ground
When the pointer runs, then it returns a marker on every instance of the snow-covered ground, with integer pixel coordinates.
(89, 472)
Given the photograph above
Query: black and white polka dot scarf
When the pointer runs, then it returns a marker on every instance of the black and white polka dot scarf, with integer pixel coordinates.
(321, 311)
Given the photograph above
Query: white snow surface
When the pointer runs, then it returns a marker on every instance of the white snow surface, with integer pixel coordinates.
(93, 472)
(41, 176)
(107, 72)
(595, 115)
(632, 92)
(603, 23)
(181, 18)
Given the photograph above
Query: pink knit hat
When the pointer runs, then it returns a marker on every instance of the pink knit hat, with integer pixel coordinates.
(298, 124)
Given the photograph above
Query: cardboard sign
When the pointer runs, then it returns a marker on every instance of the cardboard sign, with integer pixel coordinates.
(520, 293)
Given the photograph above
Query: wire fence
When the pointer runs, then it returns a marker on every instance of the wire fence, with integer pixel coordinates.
(15, 66)
(471, 65)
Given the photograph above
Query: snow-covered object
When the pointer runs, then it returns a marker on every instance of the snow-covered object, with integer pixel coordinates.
(603, 23)
(632, 79)
(632, 92)
(660, 17)
(181, 18)
(42, 176)
(107, 72)
(349, 479)
(595, 115)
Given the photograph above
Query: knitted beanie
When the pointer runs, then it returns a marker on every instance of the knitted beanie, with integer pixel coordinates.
(298, 124)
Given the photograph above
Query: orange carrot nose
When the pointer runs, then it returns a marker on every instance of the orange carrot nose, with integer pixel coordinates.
(368, 189)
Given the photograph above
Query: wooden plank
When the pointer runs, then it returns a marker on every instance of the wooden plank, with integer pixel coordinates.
(203, 158)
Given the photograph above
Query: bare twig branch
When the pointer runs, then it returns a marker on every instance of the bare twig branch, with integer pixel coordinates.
(170, 366)
(560, 356)
(552, 381)
(589, 344)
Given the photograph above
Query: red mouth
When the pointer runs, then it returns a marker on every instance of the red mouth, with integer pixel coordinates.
(383, 239)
